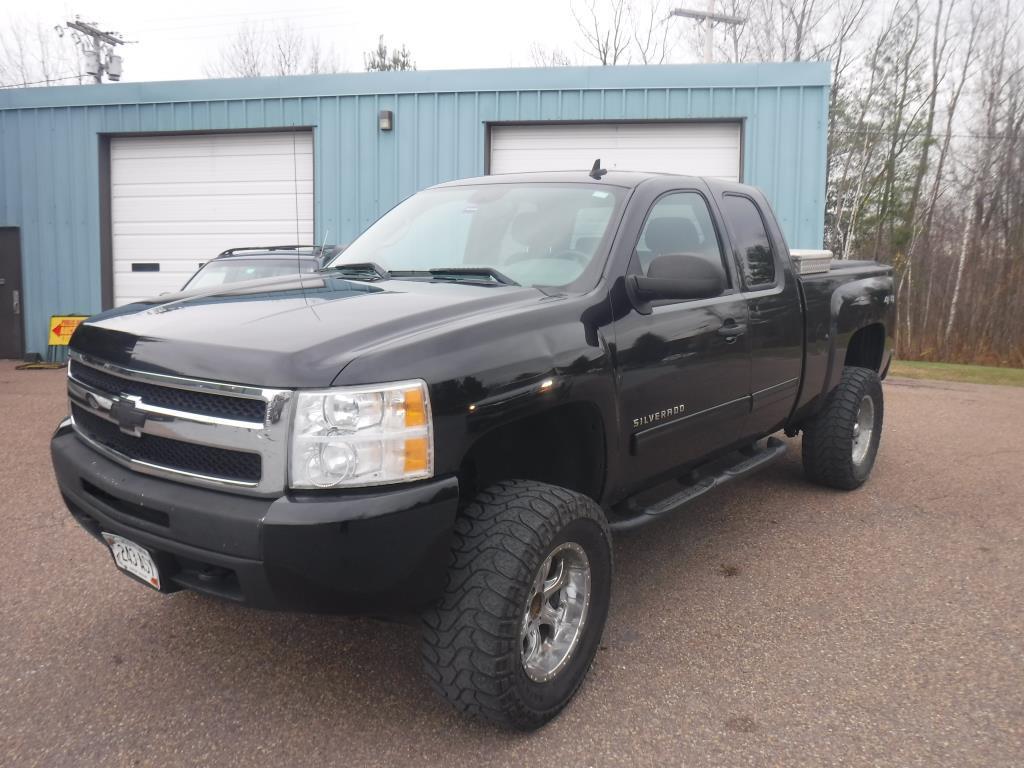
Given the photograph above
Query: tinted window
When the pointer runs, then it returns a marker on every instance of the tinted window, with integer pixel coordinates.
(679, 223)
(751, 237)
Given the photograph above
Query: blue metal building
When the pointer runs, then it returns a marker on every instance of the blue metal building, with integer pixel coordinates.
(55, 146)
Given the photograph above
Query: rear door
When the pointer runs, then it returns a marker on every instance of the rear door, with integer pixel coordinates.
(684, 369)
(11, 327)
(775, 316)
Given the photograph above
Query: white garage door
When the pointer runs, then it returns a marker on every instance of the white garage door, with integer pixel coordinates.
(177, 201)
(696, 149)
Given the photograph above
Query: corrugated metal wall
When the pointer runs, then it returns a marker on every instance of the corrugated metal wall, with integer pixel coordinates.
(50, 142)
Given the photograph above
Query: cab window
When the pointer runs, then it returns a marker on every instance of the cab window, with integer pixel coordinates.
(757, 260)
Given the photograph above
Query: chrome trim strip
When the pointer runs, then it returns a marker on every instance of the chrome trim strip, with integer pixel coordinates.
(244, 438)
(157, 470)
(771, 389)
(83, 390)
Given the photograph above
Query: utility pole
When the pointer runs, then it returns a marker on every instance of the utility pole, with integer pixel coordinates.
(710, 18)
(97, 47)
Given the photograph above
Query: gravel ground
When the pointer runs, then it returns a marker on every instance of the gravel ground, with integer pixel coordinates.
(773, 623)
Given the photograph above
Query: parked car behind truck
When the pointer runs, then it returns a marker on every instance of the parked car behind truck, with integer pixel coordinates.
(237, 265)
(454, 415)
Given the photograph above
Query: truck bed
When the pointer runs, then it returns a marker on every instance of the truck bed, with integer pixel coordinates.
(849, 296)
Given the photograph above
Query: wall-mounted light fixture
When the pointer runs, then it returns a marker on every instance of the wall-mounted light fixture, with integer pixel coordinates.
(385, 119)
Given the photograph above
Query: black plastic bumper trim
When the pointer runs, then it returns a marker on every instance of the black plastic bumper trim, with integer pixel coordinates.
(381, 551)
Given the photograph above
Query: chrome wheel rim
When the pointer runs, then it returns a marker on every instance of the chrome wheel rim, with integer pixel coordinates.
(556, 612)
(863, 429)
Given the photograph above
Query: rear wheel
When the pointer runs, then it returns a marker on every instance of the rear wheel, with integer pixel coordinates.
(516, 630)
(840, 443)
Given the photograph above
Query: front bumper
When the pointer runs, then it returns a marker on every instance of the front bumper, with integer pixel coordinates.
(379, 551)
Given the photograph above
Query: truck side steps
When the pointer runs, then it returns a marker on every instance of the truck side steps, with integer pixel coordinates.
(760, 457)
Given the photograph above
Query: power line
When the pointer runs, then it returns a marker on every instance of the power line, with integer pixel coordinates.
(250, 13)
(40, 82)
(210, 34)
(920, 135)
(206, 23)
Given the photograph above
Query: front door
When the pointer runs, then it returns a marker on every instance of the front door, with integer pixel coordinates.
(11, 328)
(684, 369)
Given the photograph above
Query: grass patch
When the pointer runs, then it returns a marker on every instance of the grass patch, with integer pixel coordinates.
(972, 374)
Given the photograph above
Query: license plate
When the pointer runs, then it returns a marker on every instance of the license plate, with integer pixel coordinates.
(133, 559)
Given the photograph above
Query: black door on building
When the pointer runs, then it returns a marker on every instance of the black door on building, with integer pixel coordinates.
(11, 324)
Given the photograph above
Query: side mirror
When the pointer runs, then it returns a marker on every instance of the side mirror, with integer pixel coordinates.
(676, 276)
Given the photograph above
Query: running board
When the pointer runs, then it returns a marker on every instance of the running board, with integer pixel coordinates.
(761, 457)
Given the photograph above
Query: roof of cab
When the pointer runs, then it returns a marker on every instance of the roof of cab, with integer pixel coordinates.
(622, 179)
(625, 179)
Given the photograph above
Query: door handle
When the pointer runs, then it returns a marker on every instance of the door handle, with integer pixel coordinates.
(16, 301)
(732, 330)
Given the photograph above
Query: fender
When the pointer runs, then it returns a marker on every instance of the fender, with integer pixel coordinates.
(856, 305)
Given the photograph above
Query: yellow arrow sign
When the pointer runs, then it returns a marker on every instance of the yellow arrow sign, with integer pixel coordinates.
(61, 328)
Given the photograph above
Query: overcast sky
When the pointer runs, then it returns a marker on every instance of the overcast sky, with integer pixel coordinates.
(175, 39)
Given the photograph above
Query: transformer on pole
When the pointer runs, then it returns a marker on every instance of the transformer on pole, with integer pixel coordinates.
(97, 49)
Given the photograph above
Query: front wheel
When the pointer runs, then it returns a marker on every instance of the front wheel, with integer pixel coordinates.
(518, 626)
(840, 443)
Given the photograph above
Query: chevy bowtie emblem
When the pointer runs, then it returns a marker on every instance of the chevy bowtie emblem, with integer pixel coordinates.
(130, 419)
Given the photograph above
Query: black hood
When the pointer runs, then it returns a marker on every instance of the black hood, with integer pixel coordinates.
(279, 332)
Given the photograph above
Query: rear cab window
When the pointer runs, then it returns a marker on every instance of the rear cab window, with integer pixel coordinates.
(750, 237)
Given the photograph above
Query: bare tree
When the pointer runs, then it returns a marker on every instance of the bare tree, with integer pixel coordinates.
(256, 50)
(734, 43)
(541, 56)
(36, 54)
(856, 133)
(604, 30)
(1000, 76)
(784, 30)
(320, 61)
(653, 35)
(947, 38)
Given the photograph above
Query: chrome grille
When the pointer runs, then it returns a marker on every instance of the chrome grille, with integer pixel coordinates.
(225, 406)
(194, 431)
(173, 454)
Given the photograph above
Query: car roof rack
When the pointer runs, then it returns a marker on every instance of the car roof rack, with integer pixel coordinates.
(268, 248)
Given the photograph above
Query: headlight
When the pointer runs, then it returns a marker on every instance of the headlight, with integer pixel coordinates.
(353, 436)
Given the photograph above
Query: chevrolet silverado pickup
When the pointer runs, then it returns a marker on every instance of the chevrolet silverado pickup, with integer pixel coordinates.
(451, 418)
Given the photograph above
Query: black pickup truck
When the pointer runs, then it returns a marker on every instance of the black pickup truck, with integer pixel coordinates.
(452, 417)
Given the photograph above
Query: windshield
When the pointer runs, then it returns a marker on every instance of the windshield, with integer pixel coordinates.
(235, 270)
(538, 234)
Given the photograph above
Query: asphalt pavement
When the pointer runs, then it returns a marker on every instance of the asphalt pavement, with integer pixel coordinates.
(771, 623)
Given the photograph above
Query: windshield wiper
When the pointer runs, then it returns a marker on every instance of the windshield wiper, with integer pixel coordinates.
(457, 273)
(372, 271)
(364, 270)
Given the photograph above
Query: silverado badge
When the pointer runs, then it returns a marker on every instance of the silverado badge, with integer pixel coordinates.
(651, 418)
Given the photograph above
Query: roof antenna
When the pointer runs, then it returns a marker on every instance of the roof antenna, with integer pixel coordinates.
(597, 171)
